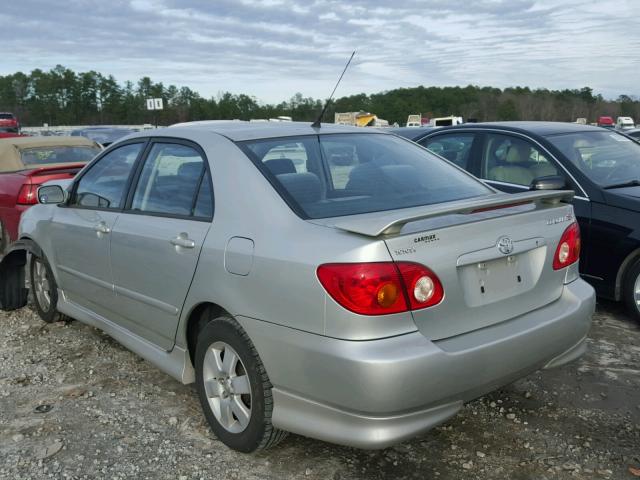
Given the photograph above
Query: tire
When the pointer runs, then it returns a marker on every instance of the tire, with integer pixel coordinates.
(241, 420)
(630, 287)
(45, 290)
(4, 241)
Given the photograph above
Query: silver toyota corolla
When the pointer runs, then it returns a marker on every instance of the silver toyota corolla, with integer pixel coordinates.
(335, 282)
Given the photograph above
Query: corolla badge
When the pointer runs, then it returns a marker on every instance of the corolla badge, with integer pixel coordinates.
(505, 245)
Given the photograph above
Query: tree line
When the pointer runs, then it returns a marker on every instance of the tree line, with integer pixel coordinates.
(61, 96)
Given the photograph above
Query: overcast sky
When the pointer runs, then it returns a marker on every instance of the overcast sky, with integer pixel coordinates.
(272, 49)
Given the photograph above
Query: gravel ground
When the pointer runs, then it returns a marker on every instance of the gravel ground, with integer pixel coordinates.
(75, 404)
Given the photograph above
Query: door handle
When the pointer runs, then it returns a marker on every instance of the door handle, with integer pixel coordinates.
(102, 228)
(183, 241)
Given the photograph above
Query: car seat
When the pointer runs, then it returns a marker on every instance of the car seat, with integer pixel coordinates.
(515, 168)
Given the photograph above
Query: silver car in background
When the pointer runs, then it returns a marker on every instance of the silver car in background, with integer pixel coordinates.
(335, 282)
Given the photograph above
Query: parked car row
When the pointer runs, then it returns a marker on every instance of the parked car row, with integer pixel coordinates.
(346, 284)
(601, 166)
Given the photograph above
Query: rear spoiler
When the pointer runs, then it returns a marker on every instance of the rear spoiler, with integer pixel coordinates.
(374, 225)
(53, 168)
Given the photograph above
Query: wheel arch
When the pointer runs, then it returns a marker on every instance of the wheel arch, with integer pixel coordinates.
(622, 270)
(199, 316)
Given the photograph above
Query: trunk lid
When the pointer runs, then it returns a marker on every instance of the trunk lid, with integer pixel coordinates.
(494, 261)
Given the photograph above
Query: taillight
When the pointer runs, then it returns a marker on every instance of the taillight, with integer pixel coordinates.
(28, 194)
(381, 288)
(568, 250)
(423, 286)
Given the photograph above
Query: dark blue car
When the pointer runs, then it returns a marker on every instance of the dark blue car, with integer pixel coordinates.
(601, 166)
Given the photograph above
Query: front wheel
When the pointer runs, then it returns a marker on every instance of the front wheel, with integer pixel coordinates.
(45, 290)
(233, 387)
(631, 290)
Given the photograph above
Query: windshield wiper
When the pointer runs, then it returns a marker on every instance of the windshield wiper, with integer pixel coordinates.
(630, 183)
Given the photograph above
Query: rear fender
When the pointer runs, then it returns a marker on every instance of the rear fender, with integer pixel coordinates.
(13, 293)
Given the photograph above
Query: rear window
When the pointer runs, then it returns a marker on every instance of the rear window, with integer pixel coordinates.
(348, 174)
(6, 116)
(57, 154)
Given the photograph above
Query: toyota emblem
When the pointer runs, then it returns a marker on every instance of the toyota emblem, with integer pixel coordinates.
(505, 245)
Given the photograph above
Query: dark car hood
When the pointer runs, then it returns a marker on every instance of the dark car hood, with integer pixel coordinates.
(628, 197)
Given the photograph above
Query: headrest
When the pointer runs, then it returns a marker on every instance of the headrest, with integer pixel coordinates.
(278, 166)
(190, 169)
(304, 187)
(518, 153)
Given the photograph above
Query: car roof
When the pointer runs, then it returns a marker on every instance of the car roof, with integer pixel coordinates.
(538, 128)
(413, 132)
(239, 130)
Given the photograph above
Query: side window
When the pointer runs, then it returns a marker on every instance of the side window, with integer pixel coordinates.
(103, 186)
(169, 181)
(204, 202)
(513, 160)
(454, 147)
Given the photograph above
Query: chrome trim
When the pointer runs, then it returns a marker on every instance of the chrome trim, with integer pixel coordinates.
(525, 188)
(591, 276)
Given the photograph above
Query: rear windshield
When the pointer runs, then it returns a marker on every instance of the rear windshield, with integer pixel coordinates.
(57, 154)
(6, 116)
(348, 174)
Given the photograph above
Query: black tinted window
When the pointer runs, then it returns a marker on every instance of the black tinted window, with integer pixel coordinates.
(103, 186)
(169, 180)
(348, 174)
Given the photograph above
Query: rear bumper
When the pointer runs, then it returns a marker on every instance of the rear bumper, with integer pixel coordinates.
(372, 394)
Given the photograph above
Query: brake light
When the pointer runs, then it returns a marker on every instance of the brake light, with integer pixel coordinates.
(381, 288)
(28, 194)
(568, 250)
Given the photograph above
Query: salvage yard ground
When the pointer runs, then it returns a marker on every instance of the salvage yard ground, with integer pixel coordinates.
(75, 404)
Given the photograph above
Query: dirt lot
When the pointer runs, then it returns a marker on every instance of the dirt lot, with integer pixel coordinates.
(112, 415)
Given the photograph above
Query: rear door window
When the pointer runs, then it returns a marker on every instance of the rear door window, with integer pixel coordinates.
(170, 180)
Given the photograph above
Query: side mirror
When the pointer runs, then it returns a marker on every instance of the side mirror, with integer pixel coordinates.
(552, 182)
(51, 194)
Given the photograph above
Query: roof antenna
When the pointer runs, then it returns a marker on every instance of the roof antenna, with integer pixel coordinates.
(316, 124)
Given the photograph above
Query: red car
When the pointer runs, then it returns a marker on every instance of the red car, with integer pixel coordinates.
(606, 122)
(26, 163)
(9, 122)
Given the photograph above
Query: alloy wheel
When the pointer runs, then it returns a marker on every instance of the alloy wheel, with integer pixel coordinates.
(227, 387)
(41, 285)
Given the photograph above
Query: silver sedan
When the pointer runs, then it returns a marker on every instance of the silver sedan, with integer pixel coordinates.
(335, 282)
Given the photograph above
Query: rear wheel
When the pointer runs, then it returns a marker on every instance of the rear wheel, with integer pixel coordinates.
(233, 387)
(631, 290)
(45, 290)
